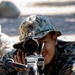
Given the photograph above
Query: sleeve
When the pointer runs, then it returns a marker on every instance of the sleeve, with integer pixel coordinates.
(5, 69)
(8, 55)
(68, 67)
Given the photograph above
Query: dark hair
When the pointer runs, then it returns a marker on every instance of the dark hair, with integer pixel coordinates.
(52, 34)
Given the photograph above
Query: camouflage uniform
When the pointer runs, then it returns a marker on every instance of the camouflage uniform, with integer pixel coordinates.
(64, 60)
(38, 26)
(7, 70)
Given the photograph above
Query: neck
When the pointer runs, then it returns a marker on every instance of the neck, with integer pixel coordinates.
(48, 66)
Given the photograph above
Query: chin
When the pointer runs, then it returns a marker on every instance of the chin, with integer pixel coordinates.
(47, 62)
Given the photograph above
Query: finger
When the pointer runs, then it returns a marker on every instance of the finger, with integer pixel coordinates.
(15, 60)
(19, 60)
(23, 57)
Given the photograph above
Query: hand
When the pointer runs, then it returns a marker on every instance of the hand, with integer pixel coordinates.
(19, 58)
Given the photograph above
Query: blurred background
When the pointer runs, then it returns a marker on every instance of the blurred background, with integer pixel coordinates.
(60, 12)
(12, 12)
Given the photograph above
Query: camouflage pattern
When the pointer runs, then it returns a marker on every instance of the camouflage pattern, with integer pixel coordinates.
(38, 25)
(7, 70)
(3, 70)
(35, 25)
(64, 61)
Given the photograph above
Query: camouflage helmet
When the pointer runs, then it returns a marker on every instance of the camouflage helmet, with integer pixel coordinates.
(36, 25)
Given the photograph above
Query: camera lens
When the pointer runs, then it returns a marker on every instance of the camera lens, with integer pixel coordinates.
(30, 46)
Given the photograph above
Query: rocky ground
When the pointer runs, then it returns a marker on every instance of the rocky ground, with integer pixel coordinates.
(61, 14)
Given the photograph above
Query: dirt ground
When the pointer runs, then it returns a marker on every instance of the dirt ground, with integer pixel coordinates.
(60, 12)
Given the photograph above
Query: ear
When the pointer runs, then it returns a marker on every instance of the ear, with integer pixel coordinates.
(55, 38)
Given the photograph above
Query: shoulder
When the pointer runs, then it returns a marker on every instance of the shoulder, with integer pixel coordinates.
(65, 45)
(66, 50)
(66, 57)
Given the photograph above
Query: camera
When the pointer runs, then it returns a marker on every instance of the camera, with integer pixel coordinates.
(30, 45)
(35, 65)
(33, 58)
(35, 62)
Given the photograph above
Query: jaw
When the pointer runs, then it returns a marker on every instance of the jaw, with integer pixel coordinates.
(47, 57)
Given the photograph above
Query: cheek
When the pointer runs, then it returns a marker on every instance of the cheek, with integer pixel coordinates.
(50, 50)
(49, 46)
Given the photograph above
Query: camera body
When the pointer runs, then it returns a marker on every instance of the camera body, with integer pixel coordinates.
(31, 46)
(33, 58)
(34, 61)
(35, 64)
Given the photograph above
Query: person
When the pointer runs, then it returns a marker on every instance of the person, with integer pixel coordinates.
(6, 43)
(59, 55)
